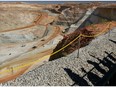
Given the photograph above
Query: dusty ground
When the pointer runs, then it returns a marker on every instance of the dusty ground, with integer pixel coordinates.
(32, 33)
(55, 72)
(27, 35)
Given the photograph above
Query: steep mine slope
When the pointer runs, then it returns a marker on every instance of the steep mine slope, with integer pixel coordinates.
(25, 36)
(29, 38)
(94, 62)
(87, 34)
(89, 29)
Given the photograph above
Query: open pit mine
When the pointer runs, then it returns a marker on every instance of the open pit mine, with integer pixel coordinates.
(33, 34)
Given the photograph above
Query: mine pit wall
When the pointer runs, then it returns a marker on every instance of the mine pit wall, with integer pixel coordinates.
(100, 15)
(93, 16)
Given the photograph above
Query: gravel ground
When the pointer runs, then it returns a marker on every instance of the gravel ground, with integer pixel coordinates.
(55, 72)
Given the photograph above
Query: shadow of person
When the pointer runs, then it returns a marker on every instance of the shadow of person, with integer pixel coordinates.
(93, 78)
(76, 78)
(106, 62)
(96, 66)
(110, 56)
(107, 75)
(112, 41)
(112, 80)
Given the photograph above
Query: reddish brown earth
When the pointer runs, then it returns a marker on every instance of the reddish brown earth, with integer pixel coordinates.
(91, 30)
(41, 19)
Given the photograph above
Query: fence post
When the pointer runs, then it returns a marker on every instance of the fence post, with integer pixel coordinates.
(109, 31)
(78, 47)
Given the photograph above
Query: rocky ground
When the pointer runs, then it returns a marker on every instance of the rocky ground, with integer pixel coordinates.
(71, 70)
(88, 69)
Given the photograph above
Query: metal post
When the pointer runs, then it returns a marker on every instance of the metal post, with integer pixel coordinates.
(12, 69)
(78, 47)
(109, 32)
(110, 24)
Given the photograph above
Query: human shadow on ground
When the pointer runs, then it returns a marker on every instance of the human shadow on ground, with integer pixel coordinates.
(112, 41)
(76, 78)
(108, 77)
(110, 62)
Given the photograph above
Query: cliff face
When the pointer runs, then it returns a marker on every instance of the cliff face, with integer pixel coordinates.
(69, 13)
(31, 32)
(88, 33)
(99, 17)
(25, 33)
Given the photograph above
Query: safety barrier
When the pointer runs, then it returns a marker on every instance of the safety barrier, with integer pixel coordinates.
(47, 56)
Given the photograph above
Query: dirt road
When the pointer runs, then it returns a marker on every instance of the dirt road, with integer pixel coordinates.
(18, 61)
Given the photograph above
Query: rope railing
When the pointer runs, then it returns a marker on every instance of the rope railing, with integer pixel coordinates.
(47, 56)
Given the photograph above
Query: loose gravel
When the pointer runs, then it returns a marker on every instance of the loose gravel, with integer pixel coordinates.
(53, 72)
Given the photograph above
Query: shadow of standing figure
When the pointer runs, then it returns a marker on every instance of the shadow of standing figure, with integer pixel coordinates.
(97, 66)
(76, 78)
(93, 78)
(110, 62)
(112, 41)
